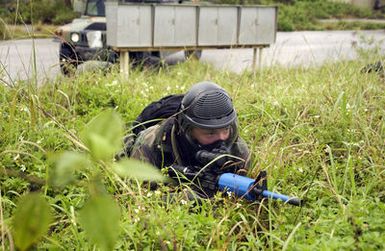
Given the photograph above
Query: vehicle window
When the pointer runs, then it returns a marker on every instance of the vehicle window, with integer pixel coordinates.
(95, 8)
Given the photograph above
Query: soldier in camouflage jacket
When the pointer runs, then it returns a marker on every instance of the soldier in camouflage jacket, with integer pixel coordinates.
(206, 122)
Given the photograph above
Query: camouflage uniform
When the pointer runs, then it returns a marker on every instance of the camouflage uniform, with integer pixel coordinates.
(170, 144)
(161, 146)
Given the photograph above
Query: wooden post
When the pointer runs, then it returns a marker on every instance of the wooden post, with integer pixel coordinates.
(260, 59)
(254, 59)
(254, 65)
(257, 65)
(124, 63)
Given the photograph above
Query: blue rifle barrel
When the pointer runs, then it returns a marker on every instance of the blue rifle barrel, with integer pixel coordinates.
(243, 186)
(277, 196)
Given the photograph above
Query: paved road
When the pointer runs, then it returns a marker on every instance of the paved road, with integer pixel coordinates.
(308, 48)
(17, 59)
(291, 49)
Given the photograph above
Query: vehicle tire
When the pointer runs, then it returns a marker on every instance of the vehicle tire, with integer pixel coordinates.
(144, 59)
(193, 54)
(112, 57)
(68, 60)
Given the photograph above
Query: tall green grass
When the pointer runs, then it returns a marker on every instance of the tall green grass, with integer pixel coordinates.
(319, 133)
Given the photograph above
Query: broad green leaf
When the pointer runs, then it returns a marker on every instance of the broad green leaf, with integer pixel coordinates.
(140, 170)
(31, 220)
(100, 220)
(66, 165)
(100, 147)
(103, 135)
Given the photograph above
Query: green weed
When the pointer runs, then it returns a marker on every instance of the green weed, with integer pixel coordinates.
(319, 133)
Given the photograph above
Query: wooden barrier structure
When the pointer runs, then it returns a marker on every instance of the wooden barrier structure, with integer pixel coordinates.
(157, 27)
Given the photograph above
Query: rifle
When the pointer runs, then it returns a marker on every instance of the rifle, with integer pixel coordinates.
(245, 187)
(216, 176)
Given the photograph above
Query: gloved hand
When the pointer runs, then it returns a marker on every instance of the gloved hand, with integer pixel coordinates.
(128, 141)
(219, 161)
(202, 181)
(260, 184)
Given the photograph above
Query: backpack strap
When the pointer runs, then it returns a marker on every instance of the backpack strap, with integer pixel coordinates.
(178, 159)
(163, 143)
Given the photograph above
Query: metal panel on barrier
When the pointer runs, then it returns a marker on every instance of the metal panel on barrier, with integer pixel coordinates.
(111, 22)
(174, 25)
(131, 25)
(217, 25)
(257, 25)
(266, 29)
(161, 26)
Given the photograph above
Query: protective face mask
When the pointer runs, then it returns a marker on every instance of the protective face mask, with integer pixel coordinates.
(217, 145)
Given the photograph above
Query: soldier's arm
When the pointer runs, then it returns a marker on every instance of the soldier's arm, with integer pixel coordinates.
(143, 147)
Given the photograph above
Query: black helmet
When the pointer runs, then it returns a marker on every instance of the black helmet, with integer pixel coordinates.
(206, 105)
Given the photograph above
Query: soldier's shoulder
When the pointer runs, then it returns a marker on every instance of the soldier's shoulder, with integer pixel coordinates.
(241, 146)
(149, 134)
(155, 132)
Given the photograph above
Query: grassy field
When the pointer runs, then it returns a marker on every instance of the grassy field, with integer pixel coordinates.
(318, 132)
(8, 32)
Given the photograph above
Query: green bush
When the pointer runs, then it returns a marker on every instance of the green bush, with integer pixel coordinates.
(38, 11)
(4, 33)
(304, 14)
(64, 17)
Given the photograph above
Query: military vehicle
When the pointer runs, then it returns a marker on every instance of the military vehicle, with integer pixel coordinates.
(85, 38)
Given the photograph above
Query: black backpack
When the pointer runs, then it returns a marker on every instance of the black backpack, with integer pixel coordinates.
(157, 111)
(150, 115)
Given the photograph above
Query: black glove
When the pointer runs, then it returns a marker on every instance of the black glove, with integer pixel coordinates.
(203, 181)
(260, 184)
(128, 141)
(220, 161)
